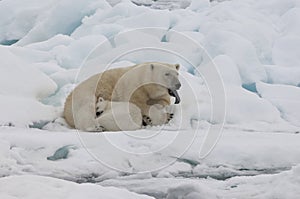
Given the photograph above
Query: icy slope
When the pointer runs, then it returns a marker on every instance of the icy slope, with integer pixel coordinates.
(49, 188)
(249, 41)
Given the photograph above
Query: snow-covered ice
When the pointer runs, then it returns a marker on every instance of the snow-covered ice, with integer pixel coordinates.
(239, 64)
(48, 188)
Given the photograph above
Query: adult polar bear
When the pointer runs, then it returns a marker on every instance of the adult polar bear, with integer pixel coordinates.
(147, 85)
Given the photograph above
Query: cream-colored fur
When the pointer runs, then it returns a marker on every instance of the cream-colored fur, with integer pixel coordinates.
(116, 116)
(144, 85)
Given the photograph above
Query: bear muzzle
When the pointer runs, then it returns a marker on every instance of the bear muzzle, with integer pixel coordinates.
(177, 86)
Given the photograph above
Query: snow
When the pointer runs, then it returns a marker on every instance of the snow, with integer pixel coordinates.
(18, 74)
(21, 186)
(242, 106)
(19, 18)
(240, 50)
(191, 191)
(285, 51)
(239, 65)
(51, 22)
(26, 151)
(18, 111)
(283, 75)
(282, 185)
(255, 151)
(285, 97)
(199, 5)
(228, 70)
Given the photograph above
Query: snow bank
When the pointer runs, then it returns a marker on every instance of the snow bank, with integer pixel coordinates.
(25, 151)
(283, 75)
(228, 70)
(240, 50)
(199, 5)
(243, 106)
(282, 185)
(25, 112)
(62, 18)
(19, 17)
(268, 186)
(286, 98)
(18, 78)
(25, 187)
(22, 86)
(257, 42)
(73, 55)
(240, 151)
(286, 51)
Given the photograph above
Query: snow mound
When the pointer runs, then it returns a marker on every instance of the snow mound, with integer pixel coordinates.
(25, 187)
(22, 86)
(19, 17)
(283, 75)
(62, 18)
(240, 50)
(25, 112)
(285, 97)
(16, 78)
(286, 51)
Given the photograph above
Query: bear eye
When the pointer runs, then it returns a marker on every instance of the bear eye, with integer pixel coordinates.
(167, 74)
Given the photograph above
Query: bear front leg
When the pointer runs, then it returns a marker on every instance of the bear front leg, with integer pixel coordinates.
(157, 115)
(170, 117)
(84, 112)
(96, 128)
(170, 112)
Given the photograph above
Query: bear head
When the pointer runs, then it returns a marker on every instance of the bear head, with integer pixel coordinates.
(101, 106)
(166, 75)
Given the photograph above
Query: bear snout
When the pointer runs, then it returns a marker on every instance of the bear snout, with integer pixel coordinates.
(177, 86)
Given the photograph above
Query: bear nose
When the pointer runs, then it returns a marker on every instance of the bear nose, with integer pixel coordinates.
(178, 85)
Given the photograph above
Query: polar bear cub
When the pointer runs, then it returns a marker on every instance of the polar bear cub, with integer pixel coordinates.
(117, 116)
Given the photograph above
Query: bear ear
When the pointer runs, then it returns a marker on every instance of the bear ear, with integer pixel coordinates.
(152, 66)
(177, 66)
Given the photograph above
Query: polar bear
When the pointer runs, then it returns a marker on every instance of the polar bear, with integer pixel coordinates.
(144, 85)
(116, 116)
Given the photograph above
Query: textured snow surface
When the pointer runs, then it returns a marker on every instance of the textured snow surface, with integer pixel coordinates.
(48, 188)
(240, 165)
(240, 54)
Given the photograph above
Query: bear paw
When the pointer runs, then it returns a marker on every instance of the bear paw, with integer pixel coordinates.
(146, 120)
(96, 128)
(170, 116)
(99, 128)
